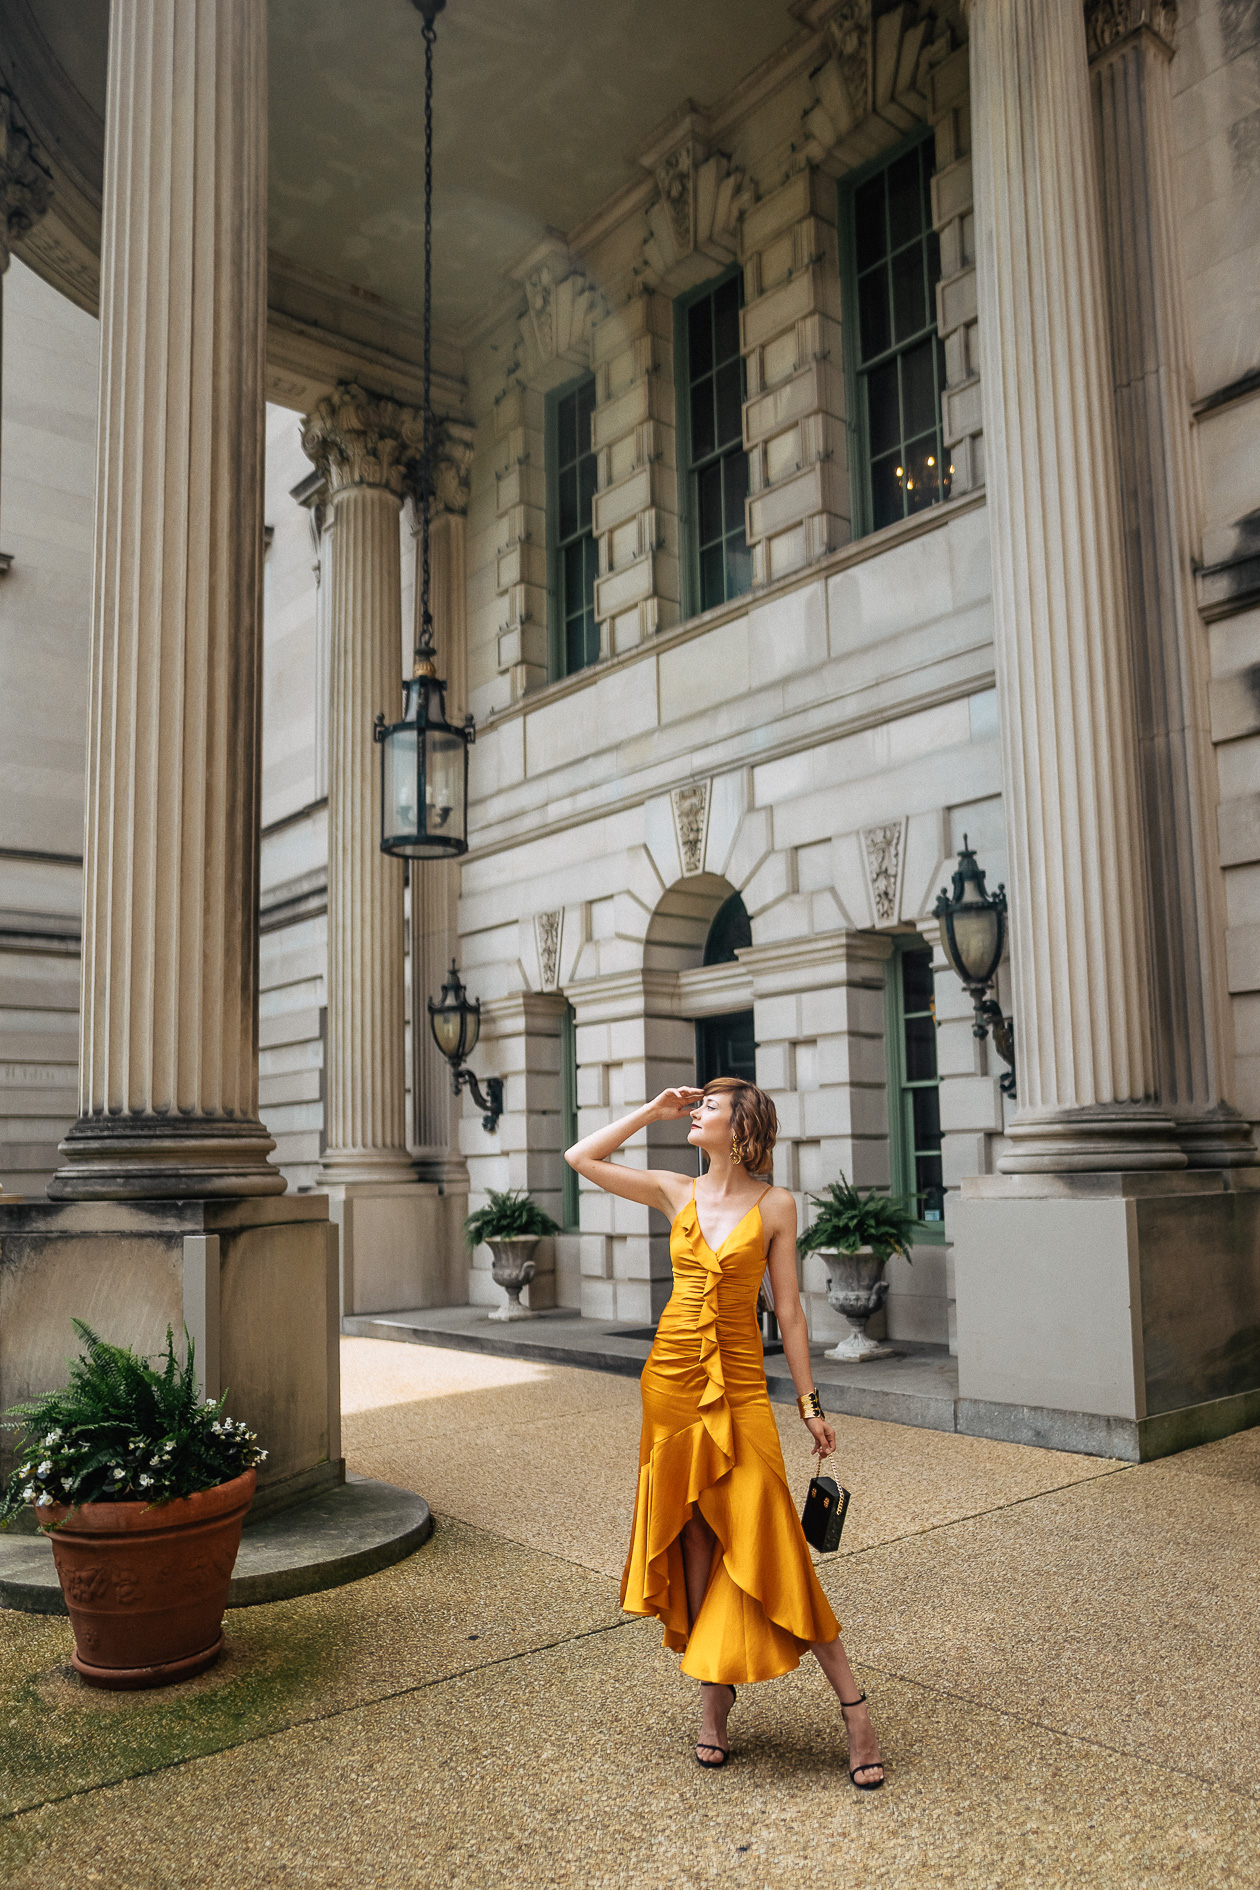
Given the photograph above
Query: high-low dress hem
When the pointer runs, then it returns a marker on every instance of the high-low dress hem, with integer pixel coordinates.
(710, 1443)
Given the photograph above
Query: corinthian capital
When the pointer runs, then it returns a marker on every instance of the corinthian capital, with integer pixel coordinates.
(25, 181)
(1107, 22)
(357, 439)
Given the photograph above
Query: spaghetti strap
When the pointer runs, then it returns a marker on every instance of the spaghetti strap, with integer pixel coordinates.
(760, 1198)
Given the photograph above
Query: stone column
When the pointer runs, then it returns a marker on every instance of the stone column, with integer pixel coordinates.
(169, 1047)
(1131, 50)
(1080, 935)
(364, 447)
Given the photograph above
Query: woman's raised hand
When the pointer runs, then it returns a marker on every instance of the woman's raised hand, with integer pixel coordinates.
(673, 1103)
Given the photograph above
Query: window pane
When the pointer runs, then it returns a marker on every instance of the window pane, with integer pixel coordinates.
(909, 296)
(586, 490)
(917, 982)
(920, 1049)
(590, 573)
(699, 338)
(712, 562)
(918, 389)
(566, 430)
(567, 523)
(868, 222)
(585, 408)
(574, 646)
(574, 578)
(725, 322)
(922, 473)
(905, 198)
(883, 413)
(709, 495)
(728, 384)
(886, 502)
(926, 1107)
(928, 1185)
(738, 567)
(702, 439)
(735, 490)
(873, 322)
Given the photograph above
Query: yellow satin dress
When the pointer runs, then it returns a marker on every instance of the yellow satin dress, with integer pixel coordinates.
(710, 1442)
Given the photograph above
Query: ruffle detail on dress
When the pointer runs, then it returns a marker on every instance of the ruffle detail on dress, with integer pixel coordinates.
(670, 1484)
(714, 1409)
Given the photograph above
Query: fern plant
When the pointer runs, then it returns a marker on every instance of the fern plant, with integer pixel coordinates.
(509, 1216)
(124, 1429)
(849, 1218)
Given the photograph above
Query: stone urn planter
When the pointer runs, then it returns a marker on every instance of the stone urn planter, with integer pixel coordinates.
(146, 1585)
(513, 1268)
(857, 1288)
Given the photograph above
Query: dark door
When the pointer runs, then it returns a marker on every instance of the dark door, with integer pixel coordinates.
(725, 1046)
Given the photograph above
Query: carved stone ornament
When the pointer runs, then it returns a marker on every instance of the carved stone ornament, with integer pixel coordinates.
(873, 86)
(357, 439)
(26, 184)
(882, 850)
(1107, 22)
(563, 306)
(450, 473)
(691, 821)
(547, 928)
(698, 211)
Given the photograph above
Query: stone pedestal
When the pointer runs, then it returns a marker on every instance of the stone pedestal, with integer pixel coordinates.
(254, 1280)
(399, 1245)
(1114, 1314)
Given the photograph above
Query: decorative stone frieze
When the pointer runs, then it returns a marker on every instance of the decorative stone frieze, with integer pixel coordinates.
(794, 416)
(873, 86)
(693, 225)
(520, 573)
(26, 184)
(1108, 22)
(636, 501)
(360, 440)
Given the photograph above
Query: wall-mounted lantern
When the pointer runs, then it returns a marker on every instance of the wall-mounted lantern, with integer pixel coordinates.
(973, 932)
(456, 1026)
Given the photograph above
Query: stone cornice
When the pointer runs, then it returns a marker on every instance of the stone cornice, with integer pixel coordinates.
(26, 184)
(357, 440)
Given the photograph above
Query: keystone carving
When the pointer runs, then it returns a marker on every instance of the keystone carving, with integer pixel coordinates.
(882, 851)
(697, 213)
(26, 184)
(691, 820)
(357, 439)
(873, 86)
(547, 935)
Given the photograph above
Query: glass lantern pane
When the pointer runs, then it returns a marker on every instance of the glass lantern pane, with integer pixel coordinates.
(447, 1031)
(976, 938)
(402, 799)
(444, 802)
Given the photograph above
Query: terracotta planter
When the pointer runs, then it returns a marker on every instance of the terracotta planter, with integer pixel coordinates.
(146, 1587)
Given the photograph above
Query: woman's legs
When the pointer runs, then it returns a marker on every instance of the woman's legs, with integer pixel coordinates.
(864, 1756)
(699, 1546)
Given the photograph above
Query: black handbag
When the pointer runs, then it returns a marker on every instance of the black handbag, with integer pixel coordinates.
(822, 1519)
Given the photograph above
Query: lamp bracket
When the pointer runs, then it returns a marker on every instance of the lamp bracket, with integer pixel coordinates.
(491, 1104)
(990, 1017)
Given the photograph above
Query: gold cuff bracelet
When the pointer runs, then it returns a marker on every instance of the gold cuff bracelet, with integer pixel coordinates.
(809, 1404)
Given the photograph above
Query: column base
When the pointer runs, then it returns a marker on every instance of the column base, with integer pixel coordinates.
(1116, 1314)
(164, 1158)
(1217, 1138)
(254, 1281)
(400, 1246)
(1094, 1140)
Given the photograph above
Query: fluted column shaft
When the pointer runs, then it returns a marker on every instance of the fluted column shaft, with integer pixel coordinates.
(1132, 88)
(1080, 943)
(364, 446)
(169, 1047)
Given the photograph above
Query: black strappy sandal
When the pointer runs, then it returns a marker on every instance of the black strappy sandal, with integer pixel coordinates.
(871, 1784)
(702, 1745)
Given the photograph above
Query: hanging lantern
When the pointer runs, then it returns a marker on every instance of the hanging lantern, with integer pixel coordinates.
(973, 932)
(424, 757)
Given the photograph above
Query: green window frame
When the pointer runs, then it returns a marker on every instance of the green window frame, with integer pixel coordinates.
(572, 554)
(570, 1212)
(710, 389)
(914, 1111)
(894, 356)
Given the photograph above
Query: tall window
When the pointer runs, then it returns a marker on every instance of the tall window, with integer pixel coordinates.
(914, 1102)
(897, 359)
(574, 558)
(569, 1212)
(714, 464)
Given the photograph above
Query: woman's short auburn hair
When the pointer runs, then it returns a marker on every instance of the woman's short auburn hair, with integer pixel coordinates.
(754, 1120)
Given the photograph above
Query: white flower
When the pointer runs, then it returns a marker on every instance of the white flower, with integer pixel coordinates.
(28, 1494)
(43, 1501)
(26, 1469)
(53, 1437)
(118, 1475)
(43, 1469)
(146, 1482)
(262, 1456)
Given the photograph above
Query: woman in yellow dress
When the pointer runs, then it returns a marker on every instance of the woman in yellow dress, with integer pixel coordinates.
(716, 1549)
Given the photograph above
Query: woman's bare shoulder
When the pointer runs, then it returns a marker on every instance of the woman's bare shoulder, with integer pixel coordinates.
(778, 1205)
